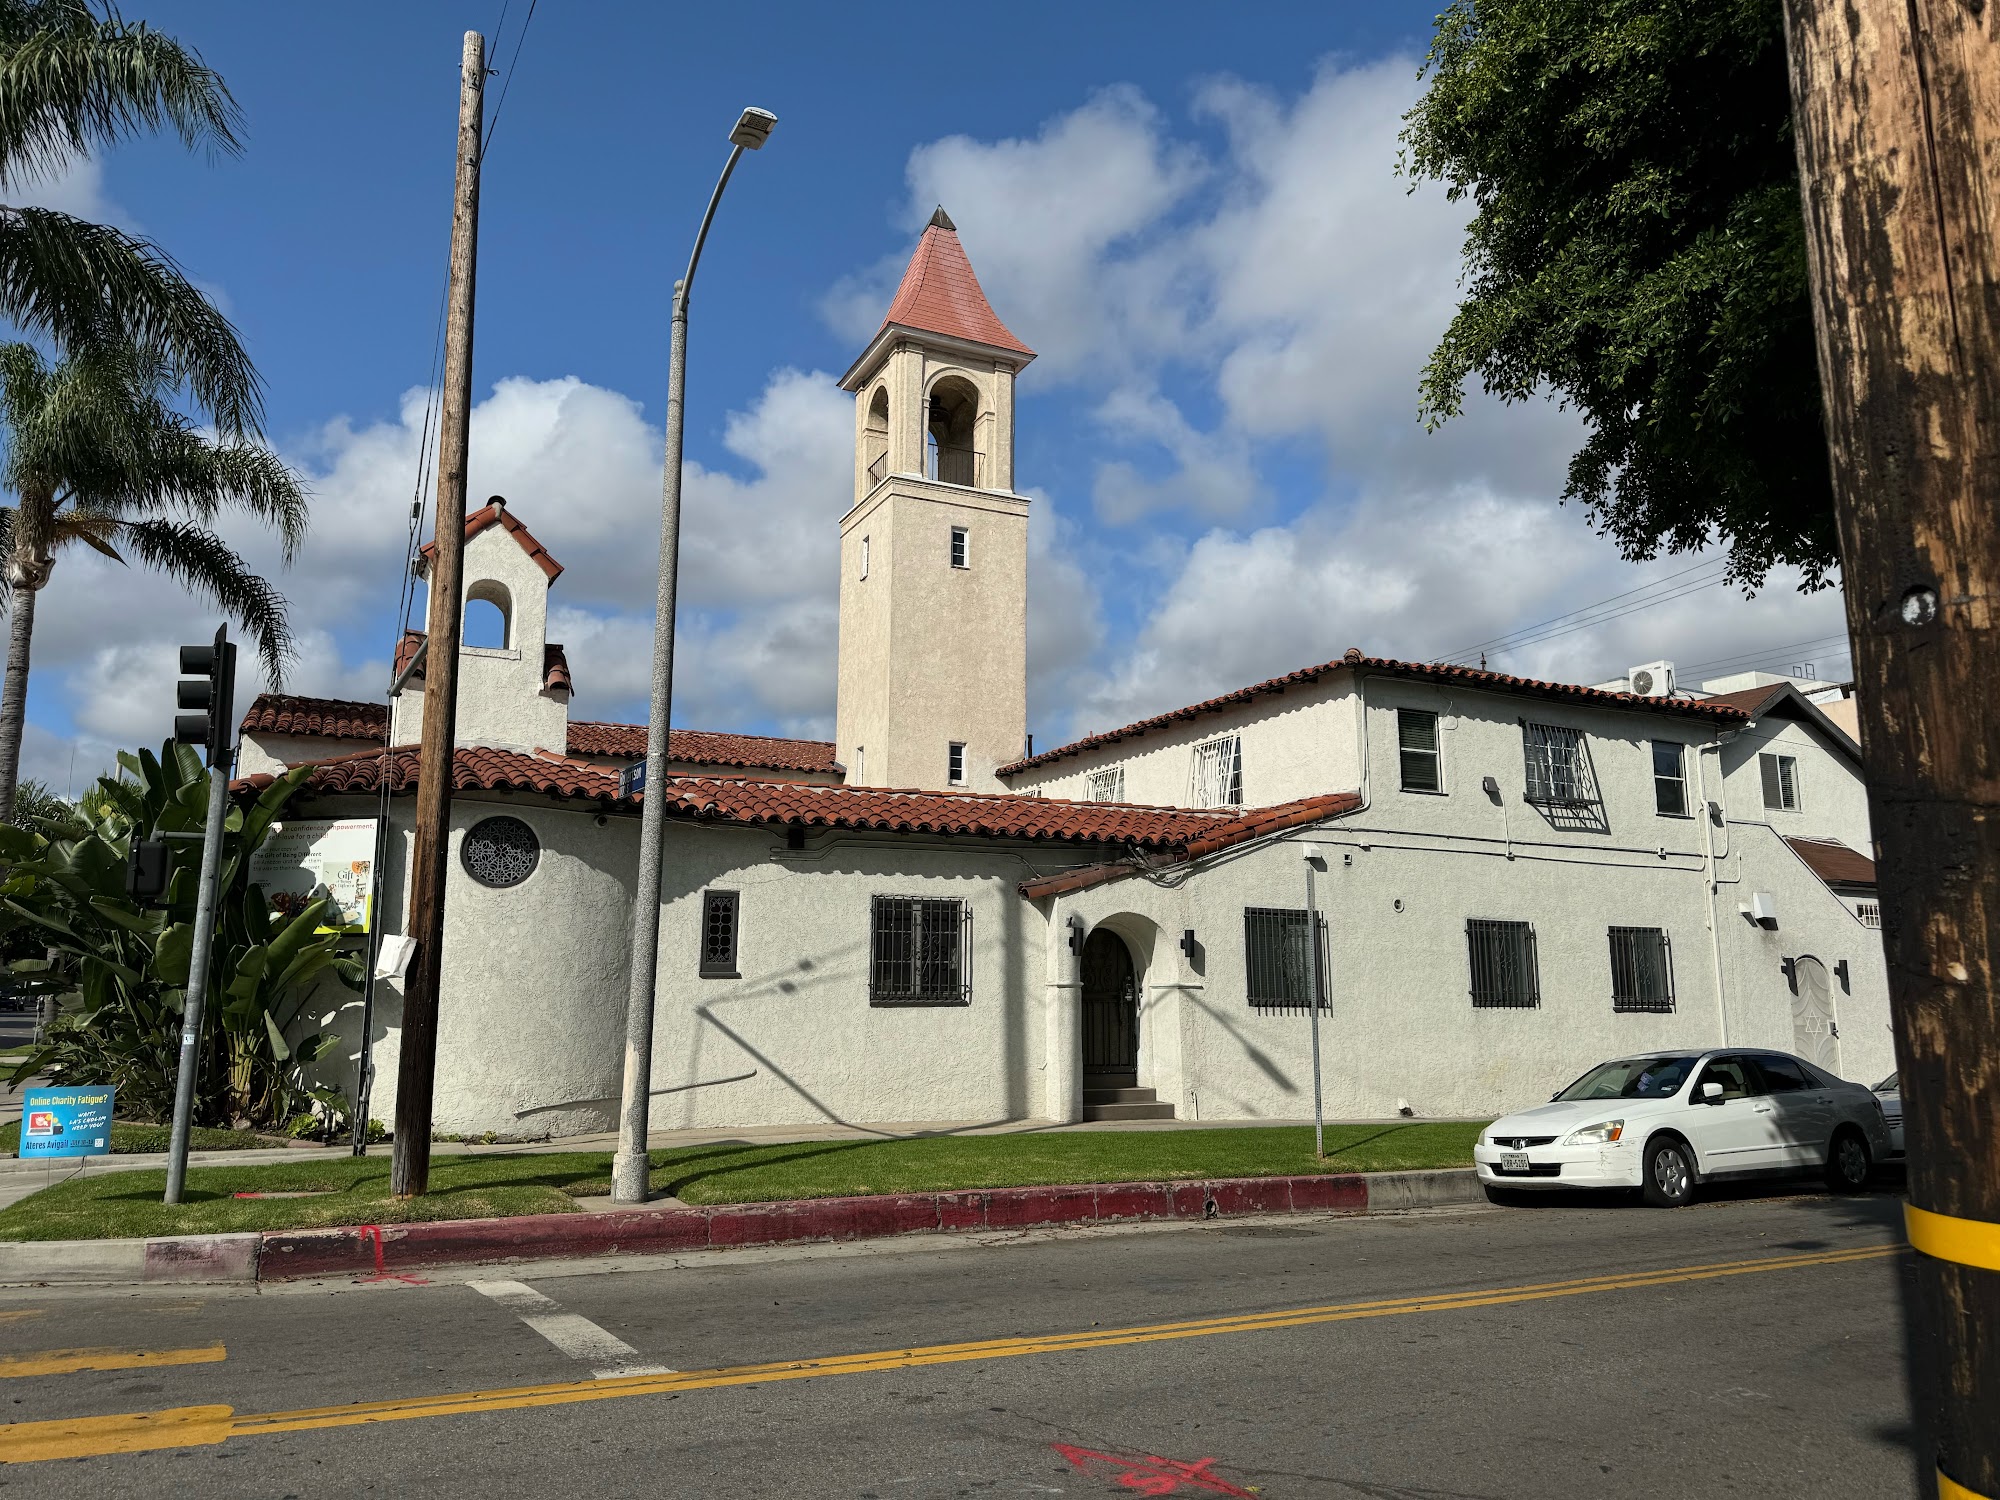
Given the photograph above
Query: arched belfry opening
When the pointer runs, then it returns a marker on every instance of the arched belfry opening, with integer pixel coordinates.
(875, 436)
(489, 617)
(951, 449)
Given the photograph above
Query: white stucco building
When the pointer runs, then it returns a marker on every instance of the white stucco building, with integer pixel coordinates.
(920, 921)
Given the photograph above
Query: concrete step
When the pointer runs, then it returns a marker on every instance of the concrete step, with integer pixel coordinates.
(1126, 1094)
(1131, 1111)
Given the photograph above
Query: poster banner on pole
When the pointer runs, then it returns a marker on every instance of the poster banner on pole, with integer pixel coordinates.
(66, 1122)
(302, 859)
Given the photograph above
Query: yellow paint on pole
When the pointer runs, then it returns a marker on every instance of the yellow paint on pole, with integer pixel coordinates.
(68, 1361)
(1967, 1242)
(24, 1442)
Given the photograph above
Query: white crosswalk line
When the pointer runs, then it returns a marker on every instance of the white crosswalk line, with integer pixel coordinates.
(575, 1335)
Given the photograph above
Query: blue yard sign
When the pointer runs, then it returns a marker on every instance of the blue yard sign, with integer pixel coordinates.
(66, 1122)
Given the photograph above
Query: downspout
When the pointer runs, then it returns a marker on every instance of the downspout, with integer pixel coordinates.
(1711, 884)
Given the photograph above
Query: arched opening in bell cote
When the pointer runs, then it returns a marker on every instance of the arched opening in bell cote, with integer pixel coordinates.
(952, 432)
(875, 436)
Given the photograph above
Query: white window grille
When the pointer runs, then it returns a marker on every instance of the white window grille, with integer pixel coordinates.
(1642, 970)
(1218, 772)
(955, 764)
(1870, 913)
(1417, 747)
(961, 547)
(1558, 765)
(1781, 782)
(1107, 785)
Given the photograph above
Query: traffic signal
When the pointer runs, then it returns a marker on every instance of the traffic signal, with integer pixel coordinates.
(208, 685)
(146, 870)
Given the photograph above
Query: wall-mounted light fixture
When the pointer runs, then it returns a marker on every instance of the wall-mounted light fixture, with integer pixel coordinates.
(1489, 785)
(1076, 934)
(1188, 944)
(1840, 973)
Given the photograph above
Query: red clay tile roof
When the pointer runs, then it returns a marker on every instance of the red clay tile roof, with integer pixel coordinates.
(330, 718)
(1254, 823)
(1181, 832)
(940, 294)
(1388, 667)
(702, 747)
(406, 651)
(495, 510)
(1833, 861)
(1751, 701)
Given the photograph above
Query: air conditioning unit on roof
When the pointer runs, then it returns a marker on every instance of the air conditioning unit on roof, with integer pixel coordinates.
(1654, 680)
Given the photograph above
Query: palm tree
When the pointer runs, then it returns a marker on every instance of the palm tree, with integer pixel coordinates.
(96, 455)
(73, 77)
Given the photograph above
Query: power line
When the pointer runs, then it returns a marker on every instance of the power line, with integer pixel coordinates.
(1755, 658)
(507, 82)
(1601, 612)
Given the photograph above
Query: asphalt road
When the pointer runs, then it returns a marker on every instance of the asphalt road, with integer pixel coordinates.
(1745, 1347)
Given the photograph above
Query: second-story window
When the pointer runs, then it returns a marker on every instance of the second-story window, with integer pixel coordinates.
(955, 763)
(1558, 765)
(961, 547)
(1670, 788)
(1781, 782)
(1417, 746)
(1107, 785)
(1218, 772)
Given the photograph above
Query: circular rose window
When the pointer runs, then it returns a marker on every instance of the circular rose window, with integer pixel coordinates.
(500, 852)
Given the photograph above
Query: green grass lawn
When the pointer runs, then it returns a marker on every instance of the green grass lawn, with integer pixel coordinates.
(346, 1191)
(128, 1138)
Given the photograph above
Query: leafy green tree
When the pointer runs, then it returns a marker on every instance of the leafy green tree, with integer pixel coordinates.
(122, 968)
(75, 77)
(97, 456)
(1637, 252)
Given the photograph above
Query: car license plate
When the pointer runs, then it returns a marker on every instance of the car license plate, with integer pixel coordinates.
(1513, 1161)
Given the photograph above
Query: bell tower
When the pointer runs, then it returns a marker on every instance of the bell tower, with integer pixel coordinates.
(934, 551)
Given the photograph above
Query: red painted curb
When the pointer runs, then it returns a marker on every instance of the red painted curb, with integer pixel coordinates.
(364, 1251)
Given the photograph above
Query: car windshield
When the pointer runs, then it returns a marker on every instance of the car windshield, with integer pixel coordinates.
(1633, 1078)
(1887, 1085)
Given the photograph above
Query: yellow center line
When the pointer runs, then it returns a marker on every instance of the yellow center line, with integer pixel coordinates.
(28, 1442)
(15, 1314)
(68, 1361)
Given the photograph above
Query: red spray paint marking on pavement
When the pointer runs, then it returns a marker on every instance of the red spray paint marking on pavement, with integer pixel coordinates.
(1150, 1474)
(373, 1234)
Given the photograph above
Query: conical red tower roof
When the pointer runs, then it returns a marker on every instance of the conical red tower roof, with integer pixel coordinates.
(939, 293)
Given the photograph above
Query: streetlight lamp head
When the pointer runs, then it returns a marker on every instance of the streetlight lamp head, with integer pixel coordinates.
(753, 128)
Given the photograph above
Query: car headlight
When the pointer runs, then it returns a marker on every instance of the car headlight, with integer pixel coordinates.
(1596, 1135)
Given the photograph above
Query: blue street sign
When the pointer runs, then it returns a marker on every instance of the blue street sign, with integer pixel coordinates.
(66, 1122)
(632, 780)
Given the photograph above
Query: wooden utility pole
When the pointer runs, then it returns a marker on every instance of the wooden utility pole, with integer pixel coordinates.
(416, 1065)
(1897, 110)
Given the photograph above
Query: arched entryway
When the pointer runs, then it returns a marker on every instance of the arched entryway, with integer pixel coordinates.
(1815, 1036)
(1110, 1011)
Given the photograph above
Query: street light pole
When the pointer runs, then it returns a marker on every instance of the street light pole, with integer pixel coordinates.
(629, 1168)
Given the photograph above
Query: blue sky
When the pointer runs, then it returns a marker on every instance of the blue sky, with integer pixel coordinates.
(1191, 212)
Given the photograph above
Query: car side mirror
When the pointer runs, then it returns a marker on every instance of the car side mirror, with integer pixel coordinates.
(1711, 1093)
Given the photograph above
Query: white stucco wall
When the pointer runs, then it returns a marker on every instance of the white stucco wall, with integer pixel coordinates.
(268, 754)
(1833, 798)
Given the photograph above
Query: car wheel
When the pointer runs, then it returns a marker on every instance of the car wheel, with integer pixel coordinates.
(1669, 1173)
(1848, 1162)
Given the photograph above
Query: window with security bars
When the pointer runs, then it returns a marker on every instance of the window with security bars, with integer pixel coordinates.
(1642, 970)
(718, 934)
(1277, 961)
(1870, 913)
(920, 952)
(1670, 788)
(1504, 971)
(1107, 785)
(1417, 746)
(1781, 782)
(1558, 765)
(1218, 772)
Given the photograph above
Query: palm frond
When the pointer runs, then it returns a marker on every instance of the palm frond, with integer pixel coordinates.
(205, 565)
(72, 80)
(92, 289)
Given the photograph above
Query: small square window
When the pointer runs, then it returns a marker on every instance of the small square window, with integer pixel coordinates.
(1417, 746)
(1670, 792)
(919, 952)
(961, 547)
(955, 764)
(1870, 913)
(1505, 975)
(1642, 970)
(1558, 766)
(1107, 785)
(1781, 782)
(1277, 959)
(718, 935)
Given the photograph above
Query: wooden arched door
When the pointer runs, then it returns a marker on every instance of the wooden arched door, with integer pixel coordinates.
(1110, 1009)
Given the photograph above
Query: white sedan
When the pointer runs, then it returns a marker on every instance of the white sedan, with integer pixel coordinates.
(1666, 1122)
